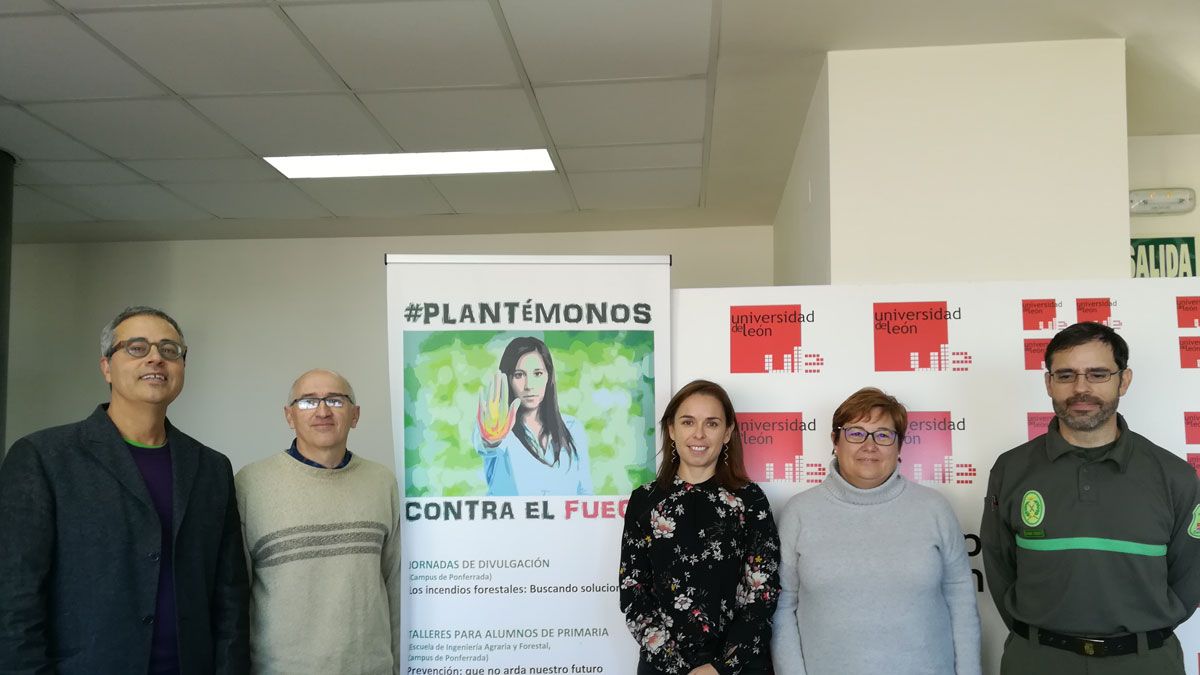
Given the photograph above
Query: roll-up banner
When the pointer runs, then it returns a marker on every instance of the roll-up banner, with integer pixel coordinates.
(524, 391)
(966, 360)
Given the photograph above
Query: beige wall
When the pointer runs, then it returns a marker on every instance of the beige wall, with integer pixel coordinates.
(979, 162)
(802, 222)
(988, 163)
(1165, 161)
(258, 312)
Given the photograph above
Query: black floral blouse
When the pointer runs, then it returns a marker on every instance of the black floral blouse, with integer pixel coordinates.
(700, 576)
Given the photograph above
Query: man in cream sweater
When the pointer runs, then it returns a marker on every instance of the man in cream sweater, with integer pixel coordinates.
(322, 534)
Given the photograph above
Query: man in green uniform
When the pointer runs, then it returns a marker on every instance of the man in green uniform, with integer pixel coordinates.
(1091, 533)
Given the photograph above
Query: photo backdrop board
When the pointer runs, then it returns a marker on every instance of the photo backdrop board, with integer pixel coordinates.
(965, 359)
(511, 532)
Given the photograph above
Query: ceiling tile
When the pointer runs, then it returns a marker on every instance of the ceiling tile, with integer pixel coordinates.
(50, 57)
(204, 170)
(109, 4)
(126, 202)
(250, 200)
(221, 50)
(328, 124)
(566, 40)
(615, 157)
(422, 43)
(75, 173)
(655, 189)
(20, 6)
(30, 138)
(158, 129)
(388, 197)
(629, 112)
(31, 207)
(464, 119)
(505, 193)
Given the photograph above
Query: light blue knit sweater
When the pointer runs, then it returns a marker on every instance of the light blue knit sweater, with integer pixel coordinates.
(874, 581)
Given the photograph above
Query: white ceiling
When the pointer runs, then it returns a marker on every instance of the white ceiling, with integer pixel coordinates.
(158, 111)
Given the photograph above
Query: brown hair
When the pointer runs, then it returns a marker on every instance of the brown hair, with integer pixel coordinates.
(731, 470)
(862, 402)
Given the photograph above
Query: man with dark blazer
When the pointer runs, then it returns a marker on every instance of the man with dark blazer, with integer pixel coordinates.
(120, 541)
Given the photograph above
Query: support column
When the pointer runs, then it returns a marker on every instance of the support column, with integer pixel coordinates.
(7, 163)
(961, 163)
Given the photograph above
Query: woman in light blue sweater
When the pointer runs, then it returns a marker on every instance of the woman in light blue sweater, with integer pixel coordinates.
(873, 569)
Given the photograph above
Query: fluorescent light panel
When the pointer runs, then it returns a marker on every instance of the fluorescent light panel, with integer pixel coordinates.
(413, 163)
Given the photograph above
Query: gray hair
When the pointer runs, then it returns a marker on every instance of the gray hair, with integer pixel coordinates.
(349, 387)
(108, 334)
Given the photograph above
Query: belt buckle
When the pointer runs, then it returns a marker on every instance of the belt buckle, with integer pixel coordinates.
(1092, 647)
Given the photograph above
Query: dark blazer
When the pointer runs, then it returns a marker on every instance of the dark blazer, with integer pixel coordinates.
(79, 552)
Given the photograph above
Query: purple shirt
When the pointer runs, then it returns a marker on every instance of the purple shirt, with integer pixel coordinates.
(155, 467)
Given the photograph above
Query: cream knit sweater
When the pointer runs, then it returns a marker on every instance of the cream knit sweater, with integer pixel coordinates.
(324, 549)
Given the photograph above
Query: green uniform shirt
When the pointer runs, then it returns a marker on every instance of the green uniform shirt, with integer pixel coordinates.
(1092, 547)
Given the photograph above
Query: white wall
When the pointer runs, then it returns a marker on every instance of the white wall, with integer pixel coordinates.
(802, 222)
(256, 313)
(979, 162)
(1165, 161)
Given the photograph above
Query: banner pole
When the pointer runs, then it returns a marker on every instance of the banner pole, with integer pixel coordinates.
(7, 164)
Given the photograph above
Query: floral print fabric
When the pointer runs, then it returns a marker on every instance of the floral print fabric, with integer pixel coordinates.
(699, 576)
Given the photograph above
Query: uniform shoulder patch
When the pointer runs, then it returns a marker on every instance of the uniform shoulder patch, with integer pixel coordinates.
(1033, 509)
(1194, 528)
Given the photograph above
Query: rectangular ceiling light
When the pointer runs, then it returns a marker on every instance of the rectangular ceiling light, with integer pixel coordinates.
(413, 163)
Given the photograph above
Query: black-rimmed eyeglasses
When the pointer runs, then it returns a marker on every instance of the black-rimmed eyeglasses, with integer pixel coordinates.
(1095, 376)
(859, 435)
(330, 401)
(139, 348)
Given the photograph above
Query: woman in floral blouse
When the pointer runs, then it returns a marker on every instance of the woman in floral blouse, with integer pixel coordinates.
(700, 555)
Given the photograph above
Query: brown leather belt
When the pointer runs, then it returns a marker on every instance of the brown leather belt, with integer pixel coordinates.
(1087, 646)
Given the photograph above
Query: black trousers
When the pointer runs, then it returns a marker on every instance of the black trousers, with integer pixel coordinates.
(1023, 657)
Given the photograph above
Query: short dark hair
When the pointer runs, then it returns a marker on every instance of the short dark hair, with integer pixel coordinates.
(731, 471)
(109, 332)
(862, 402)
(1085, 332)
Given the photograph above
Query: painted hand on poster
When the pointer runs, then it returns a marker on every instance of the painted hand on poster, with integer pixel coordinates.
(494, 422)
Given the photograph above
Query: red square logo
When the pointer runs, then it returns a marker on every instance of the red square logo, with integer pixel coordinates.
(1191, 428)
(1194, 460)
(764, 339)
(914, 336)
(1188, 309)
(928, 453)
(1093, 309)
(1038, 422)
(1039, 314)
(773, 445)
(1189, 352)
(1035, 354)
(927, 450)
